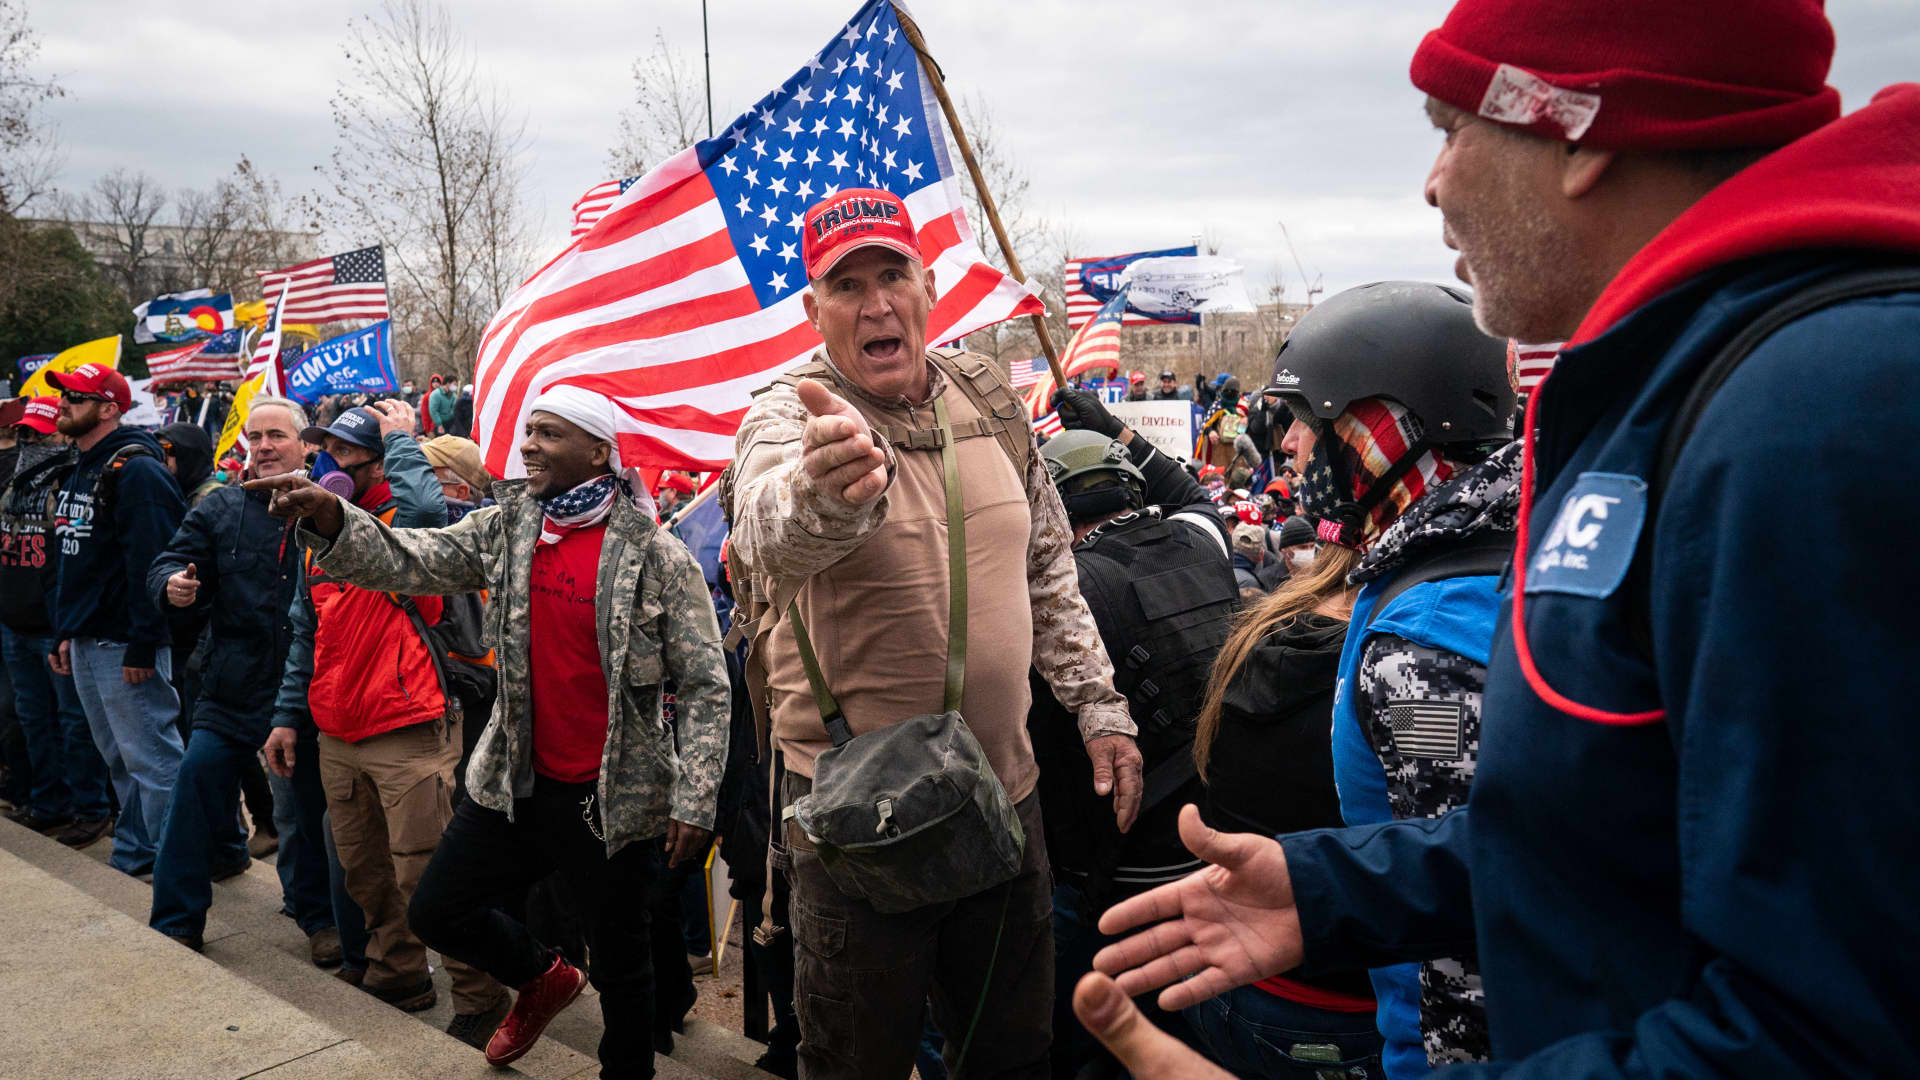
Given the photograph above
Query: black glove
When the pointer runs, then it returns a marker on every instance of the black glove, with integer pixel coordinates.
(1082, 411)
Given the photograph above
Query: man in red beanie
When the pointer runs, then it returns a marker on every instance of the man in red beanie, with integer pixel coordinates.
(1689, 847)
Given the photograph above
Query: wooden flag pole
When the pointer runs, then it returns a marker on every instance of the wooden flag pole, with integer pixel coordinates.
(979, 183)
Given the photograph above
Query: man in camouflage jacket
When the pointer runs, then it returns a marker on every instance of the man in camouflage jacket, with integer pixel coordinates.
(839, 504)
(593, 610)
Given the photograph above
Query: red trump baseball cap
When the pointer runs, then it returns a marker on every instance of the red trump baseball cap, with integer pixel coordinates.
(95, 379)
(849, 220)
(40, 414)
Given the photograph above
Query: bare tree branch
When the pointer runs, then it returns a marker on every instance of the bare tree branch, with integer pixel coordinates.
(668, 115)
(29, 152)
(429, 162)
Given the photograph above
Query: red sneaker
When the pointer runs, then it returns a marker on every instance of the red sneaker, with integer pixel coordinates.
(539, 1002)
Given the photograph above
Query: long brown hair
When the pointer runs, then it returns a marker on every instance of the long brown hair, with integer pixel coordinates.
(1325, 579)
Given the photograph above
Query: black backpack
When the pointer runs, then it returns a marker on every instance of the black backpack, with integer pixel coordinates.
(458, 646)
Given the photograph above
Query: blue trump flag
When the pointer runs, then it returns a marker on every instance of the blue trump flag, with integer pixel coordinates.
(357, 362)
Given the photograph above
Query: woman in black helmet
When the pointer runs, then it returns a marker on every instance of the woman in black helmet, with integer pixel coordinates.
(1398, 419)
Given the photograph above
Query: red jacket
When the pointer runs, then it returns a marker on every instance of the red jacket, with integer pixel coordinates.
(371, 670)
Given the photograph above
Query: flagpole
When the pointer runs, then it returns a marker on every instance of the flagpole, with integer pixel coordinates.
(919, 44)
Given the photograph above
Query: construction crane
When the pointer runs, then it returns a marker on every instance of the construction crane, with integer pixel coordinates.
(1313, 284)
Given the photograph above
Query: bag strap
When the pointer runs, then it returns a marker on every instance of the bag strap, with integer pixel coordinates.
(823, 699)
(1858, 284)
(1878, 281)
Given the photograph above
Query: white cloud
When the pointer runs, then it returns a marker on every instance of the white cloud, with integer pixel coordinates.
(1141, 124)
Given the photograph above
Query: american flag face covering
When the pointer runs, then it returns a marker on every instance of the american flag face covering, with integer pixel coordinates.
(582, 507)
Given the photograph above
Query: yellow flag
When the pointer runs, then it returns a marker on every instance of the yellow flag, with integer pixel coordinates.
(252, 311)
(105, 352)
(302, 329)
(237, 415)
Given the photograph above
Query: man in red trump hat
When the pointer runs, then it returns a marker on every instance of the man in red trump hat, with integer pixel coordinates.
(861, 481)
(1688, 850)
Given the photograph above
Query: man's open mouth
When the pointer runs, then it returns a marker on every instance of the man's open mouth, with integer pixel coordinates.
(885, 348)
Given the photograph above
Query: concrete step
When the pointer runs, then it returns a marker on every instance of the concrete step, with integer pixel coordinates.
(250, 948)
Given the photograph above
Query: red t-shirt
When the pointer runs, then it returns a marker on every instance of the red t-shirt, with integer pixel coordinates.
(563, 655)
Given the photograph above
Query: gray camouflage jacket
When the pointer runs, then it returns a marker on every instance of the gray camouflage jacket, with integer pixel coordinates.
(655, 622)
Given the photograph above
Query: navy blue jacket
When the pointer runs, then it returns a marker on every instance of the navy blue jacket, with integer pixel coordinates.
(1729, 890)
(100, 574)
(249, 565)
(1690, 846)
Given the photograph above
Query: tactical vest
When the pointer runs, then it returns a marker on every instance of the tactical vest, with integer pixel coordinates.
(1002, 417)
(1164, 598)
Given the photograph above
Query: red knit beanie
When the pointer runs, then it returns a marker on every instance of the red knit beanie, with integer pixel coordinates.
(1637, 74)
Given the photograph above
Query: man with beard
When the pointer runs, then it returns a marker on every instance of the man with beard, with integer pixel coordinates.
(114, 514)
(69, 799)
(232, 564)
(1688, 846)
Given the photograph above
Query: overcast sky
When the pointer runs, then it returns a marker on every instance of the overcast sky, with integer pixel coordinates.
(1141, 124)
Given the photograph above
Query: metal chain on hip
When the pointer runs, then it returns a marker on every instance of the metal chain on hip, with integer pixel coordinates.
(586, 815)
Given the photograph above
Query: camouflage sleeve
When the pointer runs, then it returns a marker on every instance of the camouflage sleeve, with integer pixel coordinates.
(689, 637)
(1421, 711)
(413, 562)
(1067, 651)
(782, 525)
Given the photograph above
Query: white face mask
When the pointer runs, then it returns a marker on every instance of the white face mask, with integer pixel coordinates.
(1301, 558)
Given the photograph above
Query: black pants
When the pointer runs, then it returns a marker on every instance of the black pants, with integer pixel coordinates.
(484, 860)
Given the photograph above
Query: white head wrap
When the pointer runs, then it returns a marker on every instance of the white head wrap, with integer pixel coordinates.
(593, 413)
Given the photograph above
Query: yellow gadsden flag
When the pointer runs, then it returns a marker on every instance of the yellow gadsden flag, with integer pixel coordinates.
(105, 352)
(237, 415)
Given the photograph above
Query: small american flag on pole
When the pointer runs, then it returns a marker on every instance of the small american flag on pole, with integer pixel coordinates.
(1097, 343)
(588, 209)
(1027, 372)
(217, 357)
(266, 348)
(352, 285)
(686, 296)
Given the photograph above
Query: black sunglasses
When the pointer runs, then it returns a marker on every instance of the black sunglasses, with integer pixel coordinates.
(75, 395)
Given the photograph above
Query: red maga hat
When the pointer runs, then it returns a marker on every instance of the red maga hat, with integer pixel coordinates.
(41, 414)
(853, 219)
(1637, 74)
(95, 379)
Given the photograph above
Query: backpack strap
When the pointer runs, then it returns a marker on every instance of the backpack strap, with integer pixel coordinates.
(1484, 555)
(1001, 414)
(1859, 284)
(1855, 285)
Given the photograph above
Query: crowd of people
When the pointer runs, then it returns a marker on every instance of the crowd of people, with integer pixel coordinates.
(1411, 723)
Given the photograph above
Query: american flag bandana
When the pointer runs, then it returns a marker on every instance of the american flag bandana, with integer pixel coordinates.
(583, 507)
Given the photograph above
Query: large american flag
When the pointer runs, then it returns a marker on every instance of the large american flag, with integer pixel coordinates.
(1096, 345)
(588, 209)
(686, 296)
(1083, 304)
(352, 285)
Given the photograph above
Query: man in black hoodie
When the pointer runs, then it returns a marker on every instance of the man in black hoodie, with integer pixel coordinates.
(113, 516)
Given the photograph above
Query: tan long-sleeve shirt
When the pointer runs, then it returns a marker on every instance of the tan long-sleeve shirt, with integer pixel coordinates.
(876, 595)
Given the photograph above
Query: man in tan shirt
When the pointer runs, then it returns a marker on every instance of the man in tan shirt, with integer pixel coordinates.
(839, 502)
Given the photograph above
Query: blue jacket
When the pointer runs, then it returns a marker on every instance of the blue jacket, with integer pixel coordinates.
(100, 576)
(1694, 855)
(249, 566)
(1457, 615)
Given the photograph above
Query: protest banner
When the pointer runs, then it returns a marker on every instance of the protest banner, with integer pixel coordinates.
(357, 362)
(1168, 425)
